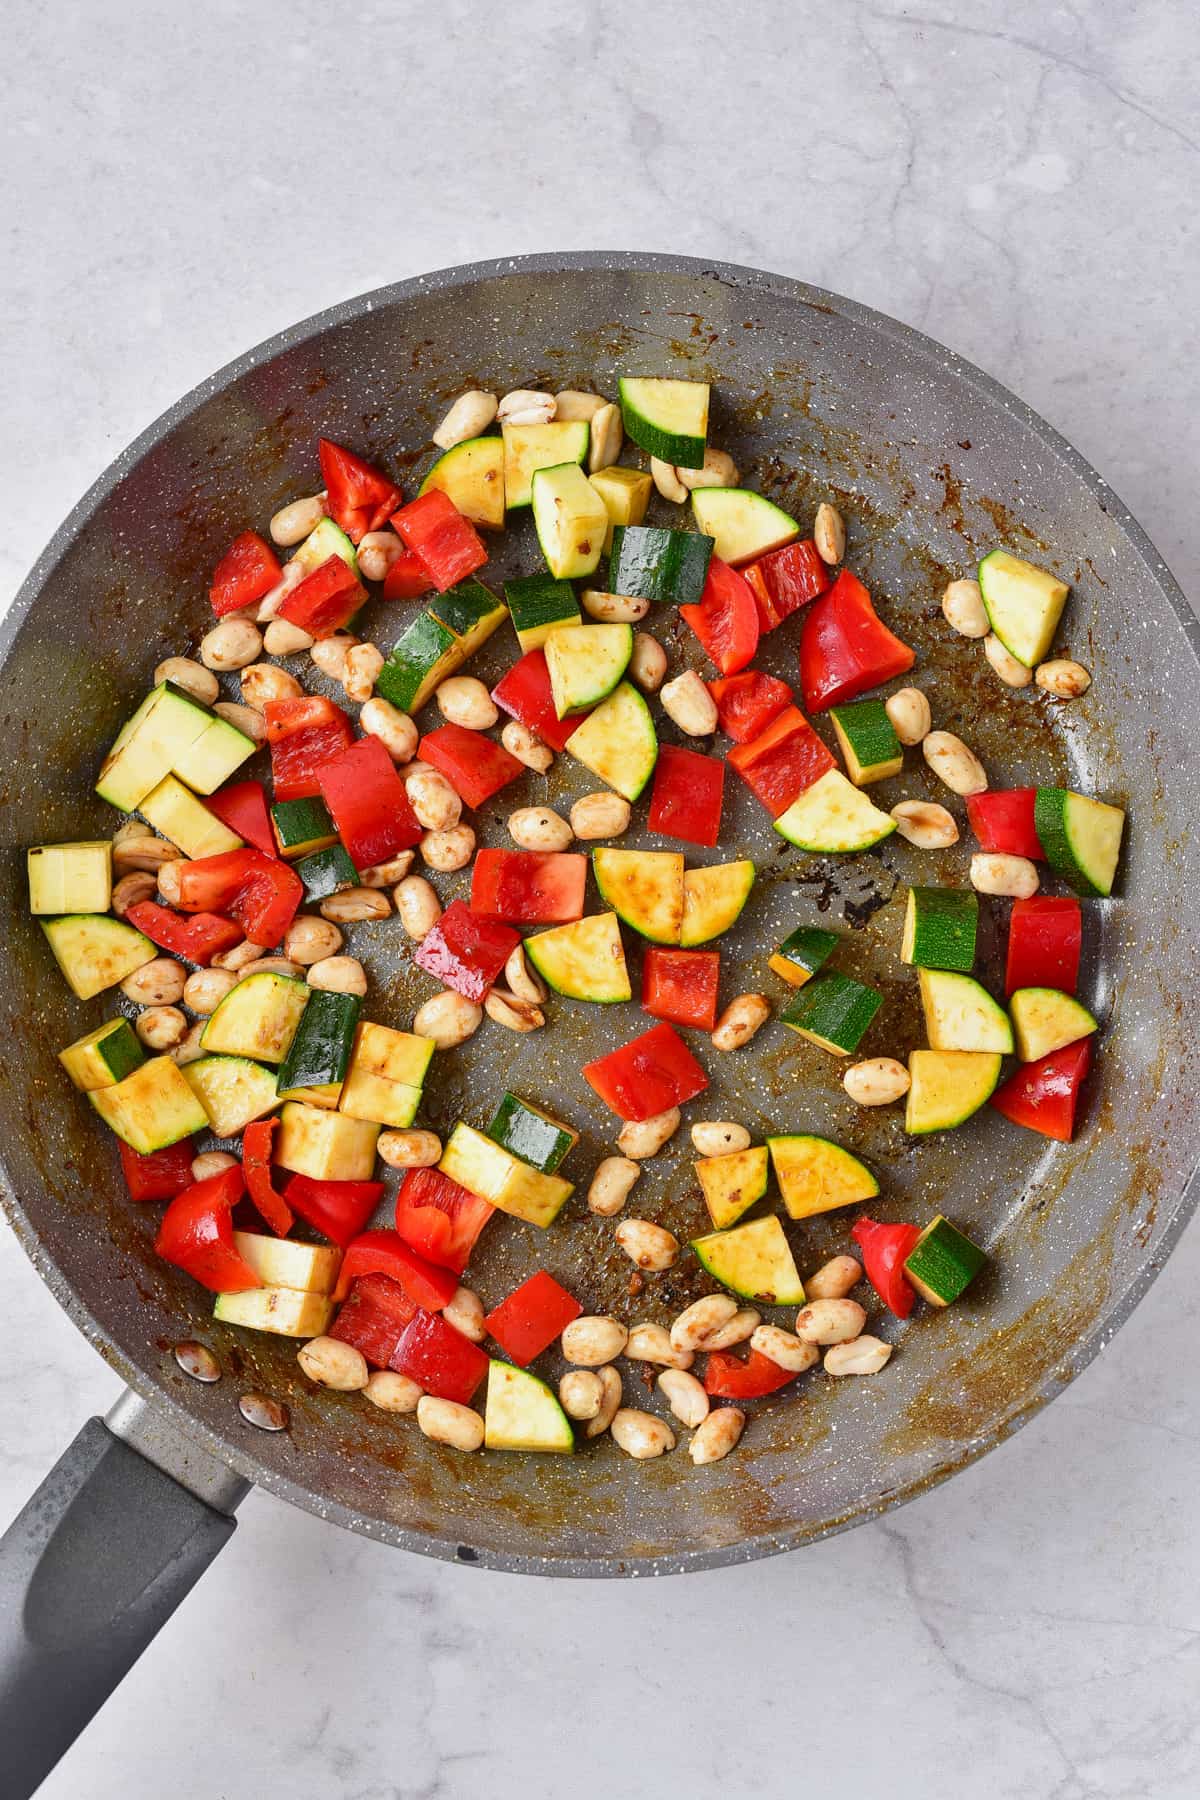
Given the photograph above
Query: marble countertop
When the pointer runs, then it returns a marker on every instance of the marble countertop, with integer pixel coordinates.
(1017, 180)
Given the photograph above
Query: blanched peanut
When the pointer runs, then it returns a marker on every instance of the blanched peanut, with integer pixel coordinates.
(447, 851)
(688, 702)
(389, 873)
(742, 1325)
(667, 481)
(469, 417)
(652, 1344)
(334, 1364)
(614, 609)
(572, 404)
(834, 1279)
(719, 470)
(515, 1015)
(392, 1392)
(1012, 673)
(282, 638)
(713, 1137)
(612, 1184)
(355, 904)
(593, 1339)
(131, 890)
(877, 1081)
(409, 1149)
(539, 828)
(953, 763)
(360, 671)
(465, 1312)
(273, 599)
(377, 551)
(251, 724)
(448, 1019)
(437, 806)
(530, 750)
(338, 975)
(700, 1321)
(523, 982)
(861, 1356)
(204, 989)
(169, 886)
(157, 983)
(417, 907)
(908, 709)
(262, 681)
(648, 664)
(464, 700)
(600, 816)
(739, 1022)
(829, 533)
(295, 521)
(718, 1435)
(191, 676)
(272, 965)
(830, 1321)
(210, 1163)
(640, 1138)
(610, 1402)
(230, 645)
(189, 1049)
(161, 1027)
(607, 436)
(783, 1348)
(1011, 875)
(241, 954)
(329, 654)
(648, 1245)
(526, 406)
(394, 729)
(684, 1395)
(140, 849)
(925, 824)
(1063, 677)
(446, 1422)
(641, 1435)
(581, 1393)
(962, 603)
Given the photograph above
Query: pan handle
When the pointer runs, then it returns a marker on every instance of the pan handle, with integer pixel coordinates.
(105, 1550)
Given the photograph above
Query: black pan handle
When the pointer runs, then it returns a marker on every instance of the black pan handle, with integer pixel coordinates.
(94, 1565)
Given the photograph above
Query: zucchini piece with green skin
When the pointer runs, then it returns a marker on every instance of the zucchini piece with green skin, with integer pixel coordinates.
(731, 1183)
(283, 1311)
(584, 960)
(626, 495)
(754, 1261)
(815, 1175)
(528, 448)
(302, 827)
(285, 1263)
(713, 900)
(522, 1413)
(533, 1135)
(176, 813)
(939, 928)
(319, 1053)
(868, 742)
(538, 605)
(1081, 838)
(438, 642)
(493, 1173)
(585, 663)
(70, 878)
(326, 539)
(104, 1057)
(570, 518)
(232, 1090)
(472, 474)
(643, 887)
(257, 1018)
(152, 1108)
(742, 525)
(170, 734)
(324, 872)
(652, 563)
(618, 742)
(833, 1011)
(802, 953)
(1045, 1020)
(1023, 604)
(95, 951)
(948, 1086)
(834, 817)
(960, 1014)
(329, 1146)
(943, 1262)
(666, 417)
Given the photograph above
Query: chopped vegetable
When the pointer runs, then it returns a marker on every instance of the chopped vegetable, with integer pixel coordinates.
(742, 525)
(618, 742)
(528, 887)
(680, 986)
(257, 1018)
(197, 938)
(645, 888)
(834, 817)
(584, 960)
(728, 1377)
(373, 1317)
(939, 928)
(685, 801)
(466, 952)
(337, 1209)
(653, 1073)
(152, 1108)
(783, 761)
(785, 580)
(833, 1011)
(802, 953)
(747, 703)
(532, 1317)
(523, 1414)
(473, 763)
(248, 570)
(486, 1168)
(242, 805)
(725, 619)
(437, 642)
(531, 1134)
(713, 900)
(656, 564)
(732, 1183)
(960, 1014)
(816, 1175)
(1045, 938)
(525, 694)
(754, 1261)
(1045, 1019)
(325, 600)
(360, 497)
(1082, 838)
(439, 1359)
(885, 1248)
(1003, 821)
(845, 648)
(160, 1174)
(668, 418)
(1023, 603)
(472, 475)
(303, 735)
(368, 803)
(384, 1252)
(1044, 1095)
(447, 545)
(570, 518)
(256, 1171)
(947, 1086)
(868, 741)
(540, 604)
(196, 1234)
(943, 1262)
(440, 1218)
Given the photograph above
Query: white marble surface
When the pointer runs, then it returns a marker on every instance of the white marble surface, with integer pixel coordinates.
(1018, 179)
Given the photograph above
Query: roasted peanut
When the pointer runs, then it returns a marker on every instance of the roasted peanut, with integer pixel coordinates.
(409, 1149)
(191, 676)
(613, 609)
(830, 1321)
(272, 965)
(688, 702)
(329, 654)
(282, 638)
(131, 890)
(610, 1401)
(925, 824)
(391, 1392)
(829, 533)
(394, 729)
(469, 417)
(539, 828)
(263, 681)
(701, 1320)
(1012, 673)
(744, 1323)
(360, 671)
(464, 700)
(241, 954)
(908, 709)
(962, 604)
(448, 1019)
(593, 1339)
(834, 1279)
(612, 1184)
(159, 982)
(1015, 876)
(714, 1137)
(449, 850)
(446, 1422)
(334, 1364)
(377, 551)
(389, 873)
(465, 1312)
(953, 763)
(1063, 677)
(861, 1356)
(572, 404)
(204, 989)
(600, 816)
(718, 1435)
(607, 436)
(684, 1395)
(581, 1393)
(526, 406)
(523, 982)
(245, 719)
(296, 520)
(355, 904)
(648, 1245)
(161, 1027)
(877, 1081)
(140, 849)
(232, 644)
(652, 1344)
(521, 743)
(210, 1163)
(719, 470)
(433, 800)
(667, 481)
(640, 1138)
(648, 664)
(418, 907)
(309, 940)
(273, 599)
(740, 1021)
(784, 1348)
(338, 975)
(642, 1435)
(505, 1009)
(189, 1048)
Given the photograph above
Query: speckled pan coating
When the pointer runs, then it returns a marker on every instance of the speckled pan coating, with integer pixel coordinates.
(932, 463)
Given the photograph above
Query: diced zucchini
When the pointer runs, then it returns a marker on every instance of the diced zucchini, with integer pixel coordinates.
(170, 733)
(947, 1086)
(960, 1014)
(943, 1262)
(95, 951)
(833, 1011)
(284, 1263)
(1023, 604)
(70, 878)
(329, 1146)
(533, 1135)
(645, 888)
(618, 742)
(834, 817)
(521, 1413)
(585, 663)
(939, 928)
(666, 417)
(472, 473)
(1081, 838)
(493, 1173)
(653, 563)
(570, 518)
(816, 1175)
(802, 953)
(325, 540)
(325, 872)
(302, 827)
(713, 900)
(754, 1261)
(732, 1183)
(626, 495)
(528, 448)
(320, 1051)
(868, 741)
(1045, 1020)
(284, 1311)
(175, 811)
(104, 1057)
(386, 1073)
(257, 1018)
(584, 960)
(439, 641)
(152, 1108)
(538, 605)
(232, 1090)
(742, 525)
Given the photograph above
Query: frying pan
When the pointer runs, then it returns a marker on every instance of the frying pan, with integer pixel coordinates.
(932, 463)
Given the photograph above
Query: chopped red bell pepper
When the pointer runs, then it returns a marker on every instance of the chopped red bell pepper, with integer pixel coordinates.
(725, 618)
(372, 1318)
(449, 546)
(465, 952)
(685, 801)
(1043, 1095)
(729, 1378)
(337, 1209)
(384, 1252)
(407, 578)
(885, 1250)
(782, 761)
(360, 496)
(650, 1075)
(525, 694)
(784, 580)
(256, 1167)
(439, 1359)
(845, 648)
(747, 703)
(197, 939)
(439, 1218)
(196, 1234)
(1002, 820)
(325, 600)
(368, 803)
(529, 887)
(532, 1317)
(248, 570)
(303, 735)
(1045, 939)
(160, 1174)
(242, 805)
(680, 986)
(260, 892)
(475, 765)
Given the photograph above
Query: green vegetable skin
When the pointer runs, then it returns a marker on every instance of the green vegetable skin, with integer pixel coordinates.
(538, 605)
(868, 741)
(104, 1057)
(618, 742)
(584, 960)
(940, 927)
(302, 827)
(655, 564)
(667, 418)
(802, 953)
(754, 1261)
(521, 1413)
(943, 1262)
(832, 1011)
(95, 951)
(439, 641)
(531, 1134)
(152, 1108)
(1081, 838)
(319, 1053)
(232, 1090)
(325, 871)
(586, 663)
(960, 1014)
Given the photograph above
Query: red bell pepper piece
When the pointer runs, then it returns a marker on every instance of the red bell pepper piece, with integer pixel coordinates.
(524, 694)
(650, 1075)
(407, 578)
(439, 1218)
(248, 570)
(439, 1359)
(242, 805)
(726, 617)
(303, 735)
(685, 801)
(447, 544)
(372, 1318)
(729, 1378)
(196, 1234)
(1045, 939)
(782, 761)
(464, 952)
(680, 986)
(360, 496)
(529, 887)
(1043, 1095)
(368, 803)
(475, 765)
(384, 1252)
(845, 648)
(784, 580)
(256, 1168)
(747, 703)
(260, 892)
(532, 1317)
(1002, 820)
(160, 1174)
(197, 939)
(337, 1209)
(885, 1250)
(325, 600)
